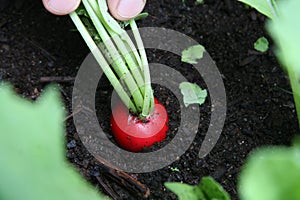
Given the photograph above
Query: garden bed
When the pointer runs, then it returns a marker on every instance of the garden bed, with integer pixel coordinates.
(36, 44)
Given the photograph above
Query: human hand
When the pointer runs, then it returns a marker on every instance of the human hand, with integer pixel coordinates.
(119, 9)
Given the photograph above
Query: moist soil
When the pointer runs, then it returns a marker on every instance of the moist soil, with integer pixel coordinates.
(260, 110)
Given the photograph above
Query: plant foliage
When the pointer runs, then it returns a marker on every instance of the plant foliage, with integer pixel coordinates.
(192, 93)
(285, 31)
(208, 189)
(261, 44)
(192, 54)
(271, 174)
(266, 7)
(32, 155)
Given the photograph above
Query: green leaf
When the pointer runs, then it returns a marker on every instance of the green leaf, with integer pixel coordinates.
(271, 174)
(285, 31)
(32, 154)
(212, 189)
(266, 7)
(139, 17)
(185, 191)
(192, 93)
(192, 54)
(262, 44)
(208, 189)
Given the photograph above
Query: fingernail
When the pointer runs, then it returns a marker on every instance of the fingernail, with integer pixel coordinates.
(61, 7)
(130, 8)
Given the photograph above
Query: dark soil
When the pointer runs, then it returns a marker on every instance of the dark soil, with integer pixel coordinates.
(35, 44)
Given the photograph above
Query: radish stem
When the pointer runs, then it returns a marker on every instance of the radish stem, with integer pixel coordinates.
(148, 98)
(102, 62)
(129, 71)
(120, 66)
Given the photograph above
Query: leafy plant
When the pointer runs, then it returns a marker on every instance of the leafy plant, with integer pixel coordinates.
(32, 155)
(111, 45)
(262, 44)
(271, 174)
(285, 31)
(208, 189)
(127, 70)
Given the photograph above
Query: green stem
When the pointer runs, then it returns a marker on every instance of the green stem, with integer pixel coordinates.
(119, 66)
(121, 39)
(133, 64)
(101, 61)
(148, 106)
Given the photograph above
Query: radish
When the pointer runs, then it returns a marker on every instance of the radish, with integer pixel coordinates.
(146, 123)
(134, 134)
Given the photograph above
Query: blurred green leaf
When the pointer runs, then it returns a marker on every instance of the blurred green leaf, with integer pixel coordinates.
(271, 174)
(32, 154)
(261, 44)
(285, 31)
(266, 7)
(192, 54)
(208, 189)
(192, 93)
(185, 191)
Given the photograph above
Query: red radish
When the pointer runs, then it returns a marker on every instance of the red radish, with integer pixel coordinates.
(132, 133)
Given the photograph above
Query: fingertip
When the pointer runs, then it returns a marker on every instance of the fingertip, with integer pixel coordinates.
(61, 7)
(125, 9)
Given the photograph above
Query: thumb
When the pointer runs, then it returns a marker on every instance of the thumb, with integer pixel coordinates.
(125, 9)
(61, 7)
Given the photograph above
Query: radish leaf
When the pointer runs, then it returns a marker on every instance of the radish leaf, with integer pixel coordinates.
(261, 44)
(32, 154)
(212, 189)
(185, 191)
(192, 54)
(192, 93)
(208, 189)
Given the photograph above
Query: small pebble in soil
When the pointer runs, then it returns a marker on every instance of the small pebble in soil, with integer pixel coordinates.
(71, 144)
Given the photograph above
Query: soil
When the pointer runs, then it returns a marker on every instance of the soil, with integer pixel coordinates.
(35, 44)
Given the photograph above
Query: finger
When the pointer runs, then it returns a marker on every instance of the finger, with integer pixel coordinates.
(61, 7)
(125, 9)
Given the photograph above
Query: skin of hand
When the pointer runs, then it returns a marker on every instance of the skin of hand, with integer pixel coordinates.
(120, 9)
